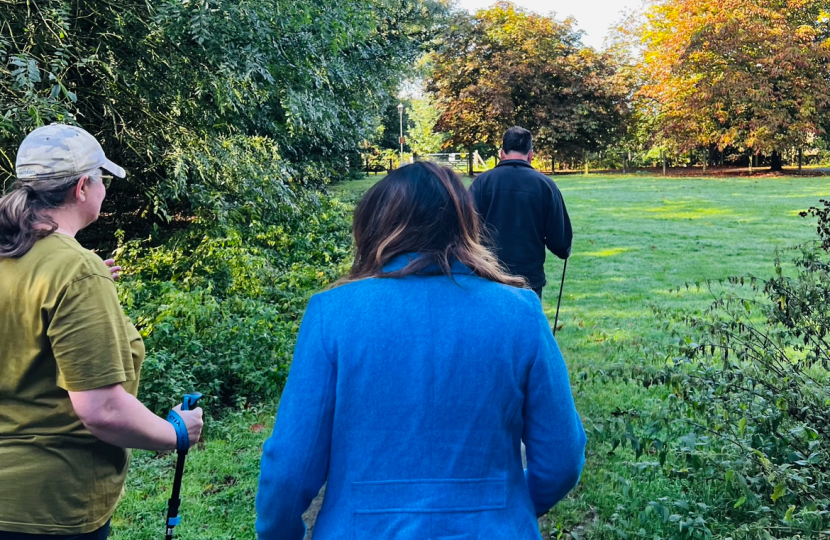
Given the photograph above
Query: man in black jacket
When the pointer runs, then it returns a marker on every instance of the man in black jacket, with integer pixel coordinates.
(523, 211)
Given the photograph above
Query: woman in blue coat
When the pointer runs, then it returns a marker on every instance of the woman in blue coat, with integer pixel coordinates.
(414, 382)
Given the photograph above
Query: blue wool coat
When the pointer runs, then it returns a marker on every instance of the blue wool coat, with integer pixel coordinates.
(410, 397)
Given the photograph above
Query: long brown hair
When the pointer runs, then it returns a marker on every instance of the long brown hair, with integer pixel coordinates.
(23, 211)
(420, 209)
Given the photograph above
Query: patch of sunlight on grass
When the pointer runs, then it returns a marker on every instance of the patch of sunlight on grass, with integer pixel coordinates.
(802, 194)
(685, 211)
(606, 252)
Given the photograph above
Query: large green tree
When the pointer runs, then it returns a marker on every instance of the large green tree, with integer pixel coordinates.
(214, 105)
(504, 66)
(421, 133)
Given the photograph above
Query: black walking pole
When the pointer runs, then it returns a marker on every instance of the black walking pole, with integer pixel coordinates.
(559, 303)
(182, 445)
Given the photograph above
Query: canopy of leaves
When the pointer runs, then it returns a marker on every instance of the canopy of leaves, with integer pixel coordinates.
(181, 92)
(752, 75)
(504, 67)
(423, 139)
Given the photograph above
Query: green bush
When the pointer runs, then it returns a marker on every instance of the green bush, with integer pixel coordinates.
(219, 307)
(741, 424)
(738, 440)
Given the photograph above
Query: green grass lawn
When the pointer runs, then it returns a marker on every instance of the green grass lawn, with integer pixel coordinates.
(637, 238)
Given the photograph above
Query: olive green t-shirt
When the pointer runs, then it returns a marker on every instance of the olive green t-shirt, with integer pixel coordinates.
(61, 329)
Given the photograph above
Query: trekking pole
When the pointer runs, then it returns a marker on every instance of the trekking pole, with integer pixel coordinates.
(182, 445)
(559, 303)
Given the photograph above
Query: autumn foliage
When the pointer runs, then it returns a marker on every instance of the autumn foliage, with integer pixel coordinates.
(504, 66)
(730, 76)
(731, 73)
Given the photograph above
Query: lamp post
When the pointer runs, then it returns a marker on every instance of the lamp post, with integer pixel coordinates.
(400, 114)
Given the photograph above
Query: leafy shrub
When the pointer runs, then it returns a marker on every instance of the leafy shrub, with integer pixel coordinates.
(219, 307)
(738, 440)
(747, 408)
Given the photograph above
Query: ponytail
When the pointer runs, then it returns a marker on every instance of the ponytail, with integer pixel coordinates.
(23, 220)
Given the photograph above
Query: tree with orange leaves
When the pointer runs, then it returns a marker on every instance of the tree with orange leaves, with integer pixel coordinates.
(504, 67)
(731, 73)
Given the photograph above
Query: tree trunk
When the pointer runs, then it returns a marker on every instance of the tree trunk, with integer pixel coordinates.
(663, 155)
(586, 163)
(705, 160)
(776, 165)
(800, 159)
(470, 162)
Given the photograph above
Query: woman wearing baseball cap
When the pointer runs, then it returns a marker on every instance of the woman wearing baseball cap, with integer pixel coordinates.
(69, 357)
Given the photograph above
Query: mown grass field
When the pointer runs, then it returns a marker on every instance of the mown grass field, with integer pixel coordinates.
(637, 239)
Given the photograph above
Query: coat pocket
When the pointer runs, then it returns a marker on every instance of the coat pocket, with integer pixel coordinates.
(428, 509)
(425, 496)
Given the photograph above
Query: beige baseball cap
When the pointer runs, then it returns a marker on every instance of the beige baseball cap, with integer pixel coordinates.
(61, 150)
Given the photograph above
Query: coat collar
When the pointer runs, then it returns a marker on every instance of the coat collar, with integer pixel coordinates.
(515, 163)
(401, 261)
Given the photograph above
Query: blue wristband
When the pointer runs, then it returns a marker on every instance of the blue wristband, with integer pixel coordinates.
(182, 439)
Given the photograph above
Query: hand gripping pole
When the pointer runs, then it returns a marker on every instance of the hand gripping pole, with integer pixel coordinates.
(182, 446)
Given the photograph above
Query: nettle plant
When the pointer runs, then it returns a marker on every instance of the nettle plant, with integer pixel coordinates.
(744, 422)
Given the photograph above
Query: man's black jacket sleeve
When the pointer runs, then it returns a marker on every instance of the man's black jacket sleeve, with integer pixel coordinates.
(558, 232)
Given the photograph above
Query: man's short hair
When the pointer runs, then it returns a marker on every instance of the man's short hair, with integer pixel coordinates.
(517, 139)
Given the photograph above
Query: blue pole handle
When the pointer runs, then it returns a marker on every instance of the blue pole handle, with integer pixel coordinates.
(190, 401)
(182, 439)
